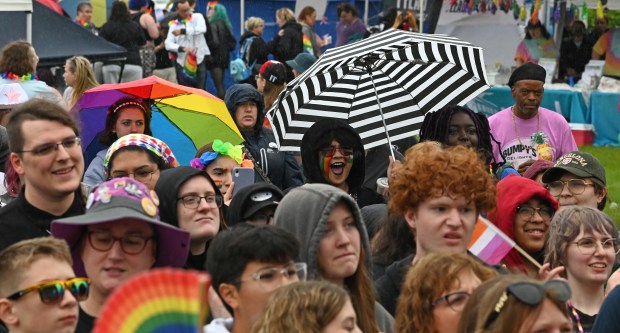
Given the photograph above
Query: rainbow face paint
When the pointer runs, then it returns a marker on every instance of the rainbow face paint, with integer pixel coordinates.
(219, 183)
(326, 156)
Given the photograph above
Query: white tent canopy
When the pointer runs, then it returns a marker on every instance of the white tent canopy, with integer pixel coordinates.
(16, 5)
(20, 6)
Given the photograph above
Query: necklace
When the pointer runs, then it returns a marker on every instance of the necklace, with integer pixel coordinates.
(514, 123)
(576, 315)
(15, 77)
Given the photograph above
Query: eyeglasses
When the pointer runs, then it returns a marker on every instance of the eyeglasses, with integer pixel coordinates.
(193, 201)
(130, 244)
(587, 246)
(270, 279)
(46, 149)
(52, 292)
(331, 151)
(530, 294)
(527, 212)
(575, 186)
(456, 301)
(257, 76)
(141, 175)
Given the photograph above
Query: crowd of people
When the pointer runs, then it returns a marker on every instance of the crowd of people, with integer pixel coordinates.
(311, 245)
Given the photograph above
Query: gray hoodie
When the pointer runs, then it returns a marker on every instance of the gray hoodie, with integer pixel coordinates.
(304, 212)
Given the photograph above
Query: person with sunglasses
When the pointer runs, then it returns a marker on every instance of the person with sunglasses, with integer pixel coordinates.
(118, 237)
(516, 303)
(250, 263)
(39, 292)
(190, 200)
(333, 153)
(584, 240)
(524, 211)
(435, 292)
(577, 178)
(46, 156)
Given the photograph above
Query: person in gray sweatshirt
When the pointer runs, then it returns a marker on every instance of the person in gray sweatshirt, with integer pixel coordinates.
(334, 243)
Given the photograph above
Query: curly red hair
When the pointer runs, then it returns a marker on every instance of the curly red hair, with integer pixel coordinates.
(431, 171)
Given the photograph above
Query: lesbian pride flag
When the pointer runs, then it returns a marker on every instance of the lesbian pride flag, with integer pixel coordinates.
(489, 243)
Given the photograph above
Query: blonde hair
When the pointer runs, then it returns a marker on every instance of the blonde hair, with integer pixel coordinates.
(426, 281)
(302, 307)
(84, 78)
(252, 22)
(16, 259)
(285, 14)
(514, 315)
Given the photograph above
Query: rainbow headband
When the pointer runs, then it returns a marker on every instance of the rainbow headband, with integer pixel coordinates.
(137, 104)
(220, 148)
(147, 142)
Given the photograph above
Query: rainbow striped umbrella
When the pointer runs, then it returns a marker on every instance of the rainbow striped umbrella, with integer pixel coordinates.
(183, 117)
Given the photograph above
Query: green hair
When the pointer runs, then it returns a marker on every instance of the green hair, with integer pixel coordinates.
(220, 15)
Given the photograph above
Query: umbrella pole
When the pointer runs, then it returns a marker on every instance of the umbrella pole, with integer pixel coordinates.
(374, 88)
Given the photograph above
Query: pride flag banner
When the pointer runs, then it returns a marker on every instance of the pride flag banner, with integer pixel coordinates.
(489, 243)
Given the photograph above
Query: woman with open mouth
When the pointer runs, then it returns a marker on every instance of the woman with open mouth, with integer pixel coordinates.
(332, 153)
(524, 211)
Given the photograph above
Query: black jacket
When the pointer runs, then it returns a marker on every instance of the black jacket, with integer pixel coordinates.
(258, 50)
(223, 42)
(290, 44)
(126, 34)
(281, 167)
(19, 220)
(319, 136)
(390, 284)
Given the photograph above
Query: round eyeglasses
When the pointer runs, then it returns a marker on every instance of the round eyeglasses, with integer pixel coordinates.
(270, 279)
(130, 244)
(575, 186)
(587, 246)
(527, 212)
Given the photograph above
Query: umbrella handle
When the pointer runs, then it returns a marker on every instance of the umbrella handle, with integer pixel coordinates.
(387, 134)
(257, 167)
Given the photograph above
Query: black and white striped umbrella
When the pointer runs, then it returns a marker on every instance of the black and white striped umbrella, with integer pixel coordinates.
(383, 84)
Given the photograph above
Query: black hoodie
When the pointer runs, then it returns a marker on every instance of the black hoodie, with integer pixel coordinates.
(320, 136)
(287, 46)
(167, 189)
(281, 167)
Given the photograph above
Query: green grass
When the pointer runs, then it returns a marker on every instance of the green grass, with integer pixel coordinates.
(610, 158)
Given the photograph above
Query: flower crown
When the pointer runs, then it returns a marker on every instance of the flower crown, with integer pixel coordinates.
(221, 148)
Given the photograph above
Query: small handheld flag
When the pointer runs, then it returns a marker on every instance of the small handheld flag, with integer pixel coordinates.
(489, 243)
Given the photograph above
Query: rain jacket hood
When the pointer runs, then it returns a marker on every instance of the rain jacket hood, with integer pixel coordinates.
(512, 192)
(243, 92)
(304, 212)
(320, 136)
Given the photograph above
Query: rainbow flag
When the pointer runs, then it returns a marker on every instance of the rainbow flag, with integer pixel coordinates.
(307, 44)
(489, 243)
(191, 65)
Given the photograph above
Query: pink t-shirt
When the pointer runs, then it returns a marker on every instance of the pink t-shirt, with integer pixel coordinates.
(518, 150)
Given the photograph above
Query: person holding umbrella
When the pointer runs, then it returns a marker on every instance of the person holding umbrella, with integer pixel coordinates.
(332, 153)
(246, 105)
(126, 116)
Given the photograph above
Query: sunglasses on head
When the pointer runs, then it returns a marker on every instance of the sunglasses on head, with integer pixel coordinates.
(52, 292)
(531, 294)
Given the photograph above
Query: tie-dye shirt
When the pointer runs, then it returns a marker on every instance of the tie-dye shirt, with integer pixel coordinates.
(531, 50)
(609, 45)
